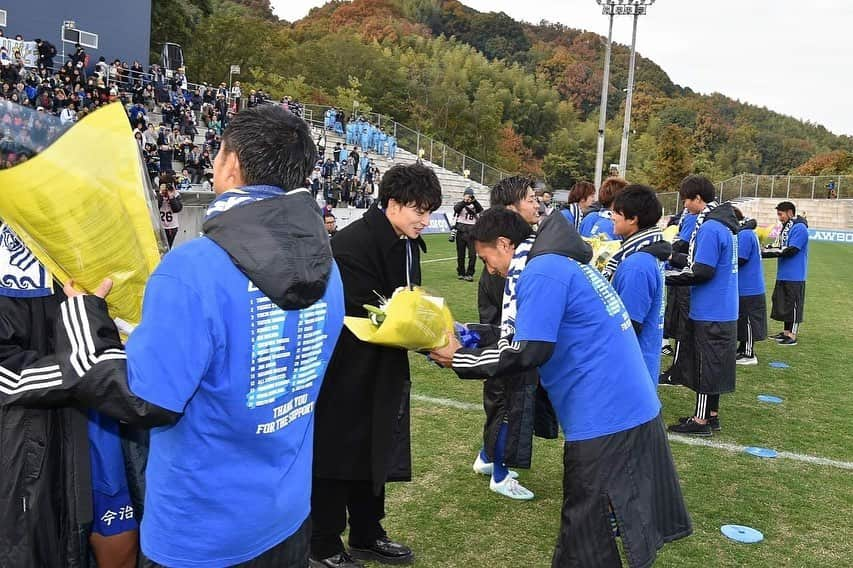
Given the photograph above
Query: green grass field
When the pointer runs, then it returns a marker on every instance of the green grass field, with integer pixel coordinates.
(805, 510)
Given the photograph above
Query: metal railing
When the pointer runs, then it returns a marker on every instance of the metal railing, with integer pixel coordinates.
(436, 152)
(746, 186)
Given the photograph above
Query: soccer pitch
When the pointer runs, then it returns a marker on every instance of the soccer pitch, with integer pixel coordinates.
(450, 518)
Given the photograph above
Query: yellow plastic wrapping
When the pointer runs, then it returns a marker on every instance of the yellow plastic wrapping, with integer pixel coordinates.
(83, 206)
(670, 234)
(602, 249)
(413, 320)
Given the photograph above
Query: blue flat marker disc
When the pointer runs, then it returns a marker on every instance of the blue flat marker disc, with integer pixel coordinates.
(761, 452)
(769, 398)
(741, 533)
(779, 365)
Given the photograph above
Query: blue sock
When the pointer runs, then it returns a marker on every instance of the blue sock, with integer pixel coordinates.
(499, 470)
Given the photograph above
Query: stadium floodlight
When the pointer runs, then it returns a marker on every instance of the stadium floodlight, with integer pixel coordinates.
(613, 8)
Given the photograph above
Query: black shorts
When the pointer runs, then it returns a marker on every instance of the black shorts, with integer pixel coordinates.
(789, 298)
(752, 318)
(631, 472)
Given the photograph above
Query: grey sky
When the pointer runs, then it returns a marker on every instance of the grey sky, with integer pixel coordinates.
(792, 56)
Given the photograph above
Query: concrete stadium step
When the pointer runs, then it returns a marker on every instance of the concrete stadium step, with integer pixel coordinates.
(820, 213)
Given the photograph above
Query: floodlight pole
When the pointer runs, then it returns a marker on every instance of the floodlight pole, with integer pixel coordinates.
(602, 115)
(626, 127)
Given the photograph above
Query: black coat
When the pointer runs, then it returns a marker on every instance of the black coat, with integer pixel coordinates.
(45, 485)
(362, 414)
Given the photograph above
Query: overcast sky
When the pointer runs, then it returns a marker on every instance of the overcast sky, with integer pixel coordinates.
(792, 56)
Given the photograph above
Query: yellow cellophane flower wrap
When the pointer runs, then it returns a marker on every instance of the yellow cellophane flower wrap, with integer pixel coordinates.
(413, 320)
(81, 207)
(602, 249)
(670, 234)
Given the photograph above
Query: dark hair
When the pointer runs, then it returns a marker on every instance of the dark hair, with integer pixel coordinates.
(695, 185)
(501, 222)
(580, 191)
(787, 206)
(414, 184)
(329, 215)
(609, 189)
(274, 147)
(510, 191)
(640, 202)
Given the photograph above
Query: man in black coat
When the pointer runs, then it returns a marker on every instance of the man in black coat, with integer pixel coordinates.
(361, 435)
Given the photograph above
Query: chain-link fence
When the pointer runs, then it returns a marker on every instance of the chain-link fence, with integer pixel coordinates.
(786, 187)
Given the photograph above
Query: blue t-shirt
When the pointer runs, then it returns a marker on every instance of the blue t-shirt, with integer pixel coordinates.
(596, 379)
(750, 278)
(687, 225)
(795, 268)
(717, 299)
(232, 478)
(598, 222)
(639, 282)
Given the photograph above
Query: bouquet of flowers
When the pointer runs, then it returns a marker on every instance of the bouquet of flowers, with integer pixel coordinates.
(410, 319)
(83, 204)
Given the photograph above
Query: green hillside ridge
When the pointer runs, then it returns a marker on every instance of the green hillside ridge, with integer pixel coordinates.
(519, 96)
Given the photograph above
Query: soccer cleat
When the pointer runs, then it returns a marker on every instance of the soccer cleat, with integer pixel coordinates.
(667, 350)
(713, 422)
(468, 278)
(788, 341)
(744, 360)
(691, 428)
(779, 336)
(460, 277)
(511, 488)
(486, 468)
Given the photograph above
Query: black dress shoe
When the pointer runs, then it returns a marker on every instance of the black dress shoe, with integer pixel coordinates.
(385, 551)
(342, 560)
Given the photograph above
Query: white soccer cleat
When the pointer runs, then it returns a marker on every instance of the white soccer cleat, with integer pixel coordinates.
(486, 468)
(742, 360)
(510, 487)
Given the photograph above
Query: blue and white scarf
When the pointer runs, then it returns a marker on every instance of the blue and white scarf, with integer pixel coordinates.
(243, 196)
(509, 310)
(691, 251)
(21, 274)
(781, 240)
(632, 244)
(577, 214)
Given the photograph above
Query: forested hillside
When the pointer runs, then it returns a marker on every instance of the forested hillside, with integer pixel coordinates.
(518, 96)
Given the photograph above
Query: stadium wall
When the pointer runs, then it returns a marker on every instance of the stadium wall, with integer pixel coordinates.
(123, 28)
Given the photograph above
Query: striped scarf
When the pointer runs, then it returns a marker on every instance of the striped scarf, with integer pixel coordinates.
(510, 306)
(21, 274)
(577, 214)
(699, 220)
(781, 240)
(632, 244)
(681, 219)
